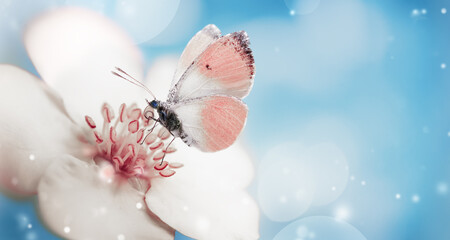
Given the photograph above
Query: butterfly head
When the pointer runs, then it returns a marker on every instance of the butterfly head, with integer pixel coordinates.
(154, 104)
(159, 108)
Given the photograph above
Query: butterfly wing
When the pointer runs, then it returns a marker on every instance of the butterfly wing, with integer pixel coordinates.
(194, 48)
(225, 67)
(213, 122)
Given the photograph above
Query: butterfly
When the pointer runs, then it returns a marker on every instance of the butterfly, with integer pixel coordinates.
(204, 106)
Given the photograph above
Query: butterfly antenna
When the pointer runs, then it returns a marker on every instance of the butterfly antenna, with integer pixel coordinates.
(132, 80)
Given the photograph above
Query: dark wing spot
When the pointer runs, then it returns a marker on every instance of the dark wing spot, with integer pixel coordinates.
(208, 67)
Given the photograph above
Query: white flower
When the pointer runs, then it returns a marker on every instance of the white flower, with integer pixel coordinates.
(46, 147)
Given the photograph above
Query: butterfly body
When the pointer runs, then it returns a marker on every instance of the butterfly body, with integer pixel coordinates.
(204, 106)
(170, 121)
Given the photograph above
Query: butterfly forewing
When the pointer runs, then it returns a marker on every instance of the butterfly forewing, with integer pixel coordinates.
(194, 48)
(225, 67)
(213, 122)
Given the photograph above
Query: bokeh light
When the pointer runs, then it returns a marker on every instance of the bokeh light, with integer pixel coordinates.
(319, 228)
(349, 118)
(302, 7)
(291, 178)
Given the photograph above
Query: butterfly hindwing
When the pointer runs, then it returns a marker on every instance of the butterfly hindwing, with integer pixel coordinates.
(225, 67)
(213, 122)
(194, 48)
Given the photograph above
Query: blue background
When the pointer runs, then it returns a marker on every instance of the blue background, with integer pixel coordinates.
(376, 84)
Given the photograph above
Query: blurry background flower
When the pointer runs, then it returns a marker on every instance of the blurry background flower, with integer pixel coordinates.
(365, 81)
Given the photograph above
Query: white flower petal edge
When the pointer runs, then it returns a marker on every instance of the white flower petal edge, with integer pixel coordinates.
(33, 128)
(74, 50)
(77, 203)
(206, 198)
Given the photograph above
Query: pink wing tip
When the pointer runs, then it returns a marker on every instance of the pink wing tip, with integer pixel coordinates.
(247, 53)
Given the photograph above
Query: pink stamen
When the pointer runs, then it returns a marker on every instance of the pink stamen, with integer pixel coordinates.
(131, 149)
(150, 139)
(169, 150)
(139, 170)
(99, 139)
(158, 156)
(130, 152)
(140, 162)
(156, 145)
(122, 145)
(139, 135)
(161, 166)
(167, 173)
(175, 165)
(133, 126)
(90, 122)
(112, 135)
(107, 112)
(135, 114)
(122, 112)
(117, 162)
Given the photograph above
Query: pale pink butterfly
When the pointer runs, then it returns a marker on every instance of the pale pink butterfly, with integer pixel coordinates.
(204, 106)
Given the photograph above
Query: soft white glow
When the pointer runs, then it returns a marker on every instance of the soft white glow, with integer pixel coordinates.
(302, 231)
(138, 205)
(443, 65)
(363, 183)
(320, 228)
(184, 24)
(120, 237)
(288, 186)
(31, 157)
(145, 19)
(442, 188)
(444, 10)
(67, 229)
(284, 195)
(398, 196)
(342, 213)
(415, 198)
(203, 224)
(302, 7)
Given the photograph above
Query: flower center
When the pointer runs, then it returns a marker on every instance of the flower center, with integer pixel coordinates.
(130, 144)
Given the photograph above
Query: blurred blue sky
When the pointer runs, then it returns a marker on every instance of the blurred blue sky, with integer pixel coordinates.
(370, 78)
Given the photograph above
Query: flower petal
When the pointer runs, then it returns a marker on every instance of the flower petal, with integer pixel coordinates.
(75, 50)
(77, 202)
(33, 128)
(205, 198)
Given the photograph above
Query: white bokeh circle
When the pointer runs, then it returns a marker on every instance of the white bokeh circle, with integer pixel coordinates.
(285, 189)
(319, 228)
(293, 177)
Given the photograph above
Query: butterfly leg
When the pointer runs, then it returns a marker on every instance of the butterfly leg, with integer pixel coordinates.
(165, 151)
(151, 130)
